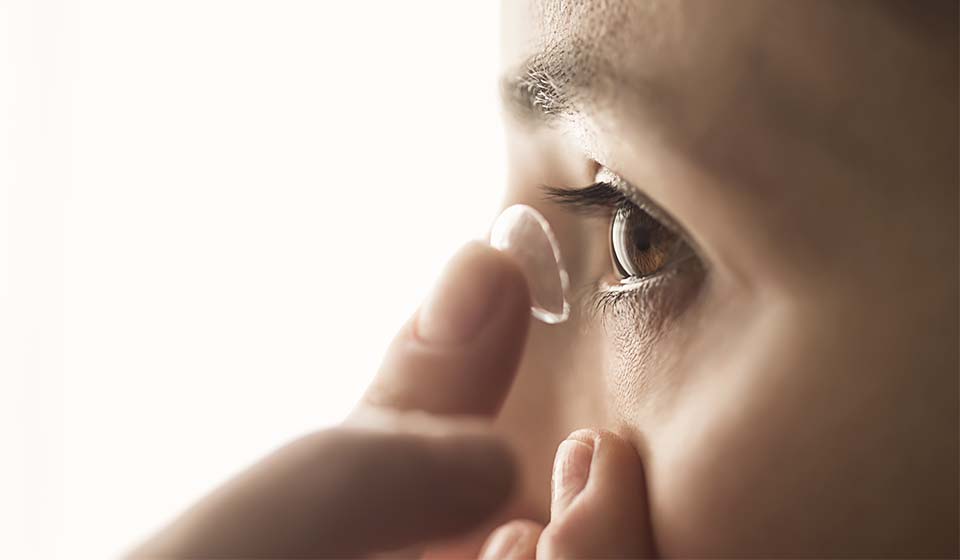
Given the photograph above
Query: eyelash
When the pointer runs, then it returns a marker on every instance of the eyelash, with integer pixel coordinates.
(603, 199)
(599, 198)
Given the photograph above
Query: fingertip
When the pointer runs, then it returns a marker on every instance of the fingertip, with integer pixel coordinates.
(585, 435)
(616, 468)
(514, 281)
(609, 516)
(481, 262)
(512, 541)
(476, 284)
(478, 261)
(460, 352)
(612, 453)
(571, 471)
(495, 259)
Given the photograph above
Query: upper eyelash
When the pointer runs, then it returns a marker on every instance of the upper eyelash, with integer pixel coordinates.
(596, 198)
(602, 197)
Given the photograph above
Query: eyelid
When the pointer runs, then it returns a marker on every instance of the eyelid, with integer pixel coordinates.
(639, 199)
(610, 192)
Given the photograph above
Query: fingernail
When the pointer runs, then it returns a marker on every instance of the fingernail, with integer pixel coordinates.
(464, 298)
(571, 468)
(502, 543)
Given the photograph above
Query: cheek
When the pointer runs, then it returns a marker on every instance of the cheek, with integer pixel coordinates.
(738, 466)
(667, 384)
(714, 451)
(781, 437)
(648, 333)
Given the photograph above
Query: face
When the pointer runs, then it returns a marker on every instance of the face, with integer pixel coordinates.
(757, 206)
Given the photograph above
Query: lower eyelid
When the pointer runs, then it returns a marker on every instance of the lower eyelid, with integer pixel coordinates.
(604, 296)
(602, 291)
(646, 299)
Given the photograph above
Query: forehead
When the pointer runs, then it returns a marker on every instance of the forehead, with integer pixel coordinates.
(681, 46)
(657, 64)
(667, 39)
(773, 75)
(598, 30)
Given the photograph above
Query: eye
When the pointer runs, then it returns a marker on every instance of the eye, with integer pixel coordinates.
(644, 240)
(641, 246)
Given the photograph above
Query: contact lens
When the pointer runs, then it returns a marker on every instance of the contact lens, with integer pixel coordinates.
(524, 234)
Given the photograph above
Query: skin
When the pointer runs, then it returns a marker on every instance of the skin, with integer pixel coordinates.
(792, 391)
(797, 396)
(417, 461)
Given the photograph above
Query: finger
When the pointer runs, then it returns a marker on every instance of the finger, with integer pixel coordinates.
(516, 540)
(459, 353)
(599, 506)
(346, 492)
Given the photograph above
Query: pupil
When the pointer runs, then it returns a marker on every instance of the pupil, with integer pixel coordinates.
(640, 238)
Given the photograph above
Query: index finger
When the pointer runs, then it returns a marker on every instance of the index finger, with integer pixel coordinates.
(460, 351)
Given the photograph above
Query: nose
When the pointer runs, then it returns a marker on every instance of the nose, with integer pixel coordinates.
(559, 386)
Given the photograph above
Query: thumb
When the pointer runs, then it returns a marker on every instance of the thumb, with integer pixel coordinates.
(599, 506)
(347, 492)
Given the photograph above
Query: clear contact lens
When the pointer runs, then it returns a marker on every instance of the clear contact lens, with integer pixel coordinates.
(524, 234)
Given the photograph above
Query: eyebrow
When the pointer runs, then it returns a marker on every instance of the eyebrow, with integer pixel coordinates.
(570, 79)
(548, 85)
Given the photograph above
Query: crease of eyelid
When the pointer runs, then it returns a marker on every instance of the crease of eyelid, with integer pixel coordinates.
(599, 299)
(600, 197)
(639, 199)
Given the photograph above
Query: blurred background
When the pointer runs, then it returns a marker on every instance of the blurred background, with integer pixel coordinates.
(215, 214)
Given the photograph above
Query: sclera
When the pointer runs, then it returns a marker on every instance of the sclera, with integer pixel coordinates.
(524, 234)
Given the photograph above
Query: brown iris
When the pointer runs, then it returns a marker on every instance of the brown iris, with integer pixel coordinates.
(640, 245)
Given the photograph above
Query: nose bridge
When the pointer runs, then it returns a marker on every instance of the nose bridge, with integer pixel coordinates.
(558, 389)
(560, 385)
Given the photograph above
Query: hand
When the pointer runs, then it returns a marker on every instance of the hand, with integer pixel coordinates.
(598, 507)
(416, 461)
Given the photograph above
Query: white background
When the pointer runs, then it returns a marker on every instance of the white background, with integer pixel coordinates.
(214, 216)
